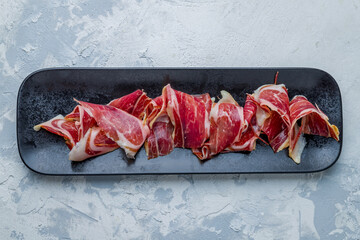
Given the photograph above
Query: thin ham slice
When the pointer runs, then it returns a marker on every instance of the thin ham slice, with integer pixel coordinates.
(274, 100)
(313, 121)
(159, 141)
(134, 103)
(254, 117)
(189, 116)
(94, 143)
(58, 125)
(175, 119)
(126, 130)
(82, 119)
(226, 126)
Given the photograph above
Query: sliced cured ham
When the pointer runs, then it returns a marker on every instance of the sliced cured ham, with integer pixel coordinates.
(189, 116)
(159, 141)
(307, 119)
(94, 143)
(275, 101)
(254, 117)
(58, 125)
(226, 126)
(134, 103)
(178, 119)
(82, 119)
(126, 130)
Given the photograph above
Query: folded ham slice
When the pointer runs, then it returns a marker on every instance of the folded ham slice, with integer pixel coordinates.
(189, 115)
(82, 119)
(134, 103)
(226, 126)
(126, 130)
(94, 143)
(313, 121)
(159, 141)
(274, 100)
(177, 120)
(254, 117)
(58, 125)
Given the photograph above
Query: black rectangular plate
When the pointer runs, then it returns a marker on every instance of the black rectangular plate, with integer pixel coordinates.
(49, 92)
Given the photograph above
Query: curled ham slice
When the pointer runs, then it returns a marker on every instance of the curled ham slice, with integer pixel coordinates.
(190, 117)
(313, 121)
(94, 143)
(82, 119)
(274, 100)
(226, 126)
(58, 125)
(159, 141)
(254, 117)
(126, 130)
(134, 103)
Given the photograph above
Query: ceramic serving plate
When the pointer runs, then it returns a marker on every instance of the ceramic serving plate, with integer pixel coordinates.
(49, 92)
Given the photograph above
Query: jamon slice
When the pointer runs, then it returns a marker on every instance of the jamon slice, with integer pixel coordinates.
(275, 101)
(226, 126)
(189, 116)
(162, 131)
(94, 143)
(159, 141)
(134, 103)
(82, 119)
(313, 121)
(126, 130)
(58, 125)
(254, 117)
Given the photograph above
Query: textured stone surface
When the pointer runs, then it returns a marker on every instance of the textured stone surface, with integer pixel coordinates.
(321, 34)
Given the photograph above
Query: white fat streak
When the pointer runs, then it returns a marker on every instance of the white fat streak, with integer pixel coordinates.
(214, 112)
(277, 87)
(227, 98)
(261, 116)
(238, 147)
(323, 115)
(285, 144)
(295, 153)
(128, 146)
(47, 123)
(172, 106)
(78, 152)
(207, 123)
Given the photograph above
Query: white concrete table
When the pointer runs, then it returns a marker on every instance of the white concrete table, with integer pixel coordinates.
(320, 34)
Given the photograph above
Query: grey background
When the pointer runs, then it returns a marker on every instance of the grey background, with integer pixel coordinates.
(320, 34)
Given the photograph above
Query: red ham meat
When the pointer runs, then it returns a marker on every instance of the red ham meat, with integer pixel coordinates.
(159, 141)
(58, 125)
(134, 103)
(92, 140)
(94, 143)
(226, 126)
(275, 101)
(126, 130)
(254, 117)
(176, 118)
(313, 121)
(190, 117)
(82, 119)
